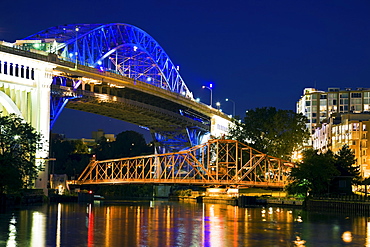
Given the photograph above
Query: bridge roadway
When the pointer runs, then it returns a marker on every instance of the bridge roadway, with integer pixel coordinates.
(104, 81)
(113, 95)
(218, 162)
(140, 103)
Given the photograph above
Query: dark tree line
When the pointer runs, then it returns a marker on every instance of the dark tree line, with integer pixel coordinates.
(128, 144)
(272, 131)
(321, 173)
(19, 142)
(72, 156)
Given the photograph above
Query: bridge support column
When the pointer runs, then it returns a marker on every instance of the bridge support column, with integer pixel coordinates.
(41, 122)
(25, 91)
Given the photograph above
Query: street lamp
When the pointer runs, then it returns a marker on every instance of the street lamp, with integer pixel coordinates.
(232, 101)
(76, 47)
(218, 104)
(210, 89)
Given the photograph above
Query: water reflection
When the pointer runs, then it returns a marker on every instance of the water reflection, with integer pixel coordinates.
(163, 223)
(12, 232)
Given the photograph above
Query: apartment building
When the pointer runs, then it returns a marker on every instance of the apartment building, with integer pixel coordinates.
(346, 129)
(338, 117)
(318, 105)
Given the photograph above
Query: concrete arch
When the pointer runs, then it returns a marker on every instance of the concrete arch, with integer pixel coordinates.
(9, 105)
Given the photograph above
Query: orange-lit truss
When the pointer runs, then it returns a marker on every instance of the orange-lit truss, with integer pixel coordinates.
(217, 162)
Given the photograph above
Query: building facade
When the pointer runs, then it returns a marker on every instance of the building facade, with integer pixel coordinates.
(336, 118)
(346, 129)
(318, 105)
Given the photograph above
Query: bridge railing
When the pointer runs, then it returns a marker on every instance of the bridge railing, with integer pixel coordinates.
(217, 162)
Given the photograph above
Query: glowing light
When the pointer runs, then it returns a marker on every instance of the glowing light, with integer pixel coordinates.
(299, 241)
(270, 210)
(135, 48)
(99, 62)
(347, 236)
(299, 219)
(218, 104)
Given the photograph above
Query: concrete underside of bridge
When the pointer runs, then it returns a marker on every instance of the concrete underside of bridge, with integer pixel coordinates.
(25, 89)
(168, 115)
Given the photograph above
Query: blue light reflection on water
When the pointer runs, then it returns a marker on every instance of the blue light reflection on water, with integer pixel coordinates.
(163, 223)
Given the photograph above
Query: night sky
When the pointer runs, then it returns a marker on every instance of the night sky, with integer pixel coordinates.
(257, 53)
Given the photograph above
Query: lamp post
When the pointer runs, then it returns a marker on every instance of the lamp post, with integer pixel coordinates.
(76, 46)
(218, 104)
(232, 101)
(210, 89)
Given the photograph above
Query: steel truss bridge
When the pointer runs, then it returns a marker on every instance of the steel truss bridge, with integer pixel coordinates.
(218, 162)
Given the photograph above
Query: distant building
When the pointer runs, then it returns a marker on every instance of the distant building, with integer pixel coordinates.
(336, 118)
(98, 135)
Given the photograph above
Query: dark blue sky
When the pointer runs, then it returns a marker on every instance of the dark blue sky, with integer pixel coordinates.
(257, 53)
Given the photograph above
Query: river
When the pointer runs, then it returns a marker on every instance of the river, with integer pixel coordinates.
(166, 223)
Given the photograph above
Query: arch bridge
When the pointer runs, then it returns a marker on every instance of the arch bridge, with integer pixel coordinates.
(218, 162)
(116, 70)
(120, 71)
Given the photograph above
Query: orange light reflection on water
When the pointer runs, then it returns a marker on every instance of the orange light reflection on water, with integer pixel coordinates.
(90, 227)
(164, 223)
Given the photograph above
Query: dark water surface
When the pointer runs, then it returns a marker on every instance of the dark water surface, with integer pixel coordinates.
(163, 223)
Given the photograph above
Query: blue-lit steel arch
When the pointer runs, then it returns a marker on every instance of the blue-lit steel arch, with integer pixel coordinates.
(118, 48)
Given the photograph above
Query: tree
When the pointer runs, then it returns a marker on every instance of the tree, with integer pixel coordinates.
(271, 131)
(321, 172)
(314, 174)
(127, 144)
(72, 156)
(19, 142)
(345, 163)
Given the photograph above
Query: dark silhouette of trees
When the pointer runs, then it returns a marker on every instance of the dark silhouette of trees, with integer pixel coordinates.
(344, 162)
(320, 173)
(72, 156)
(127, 144)
(19, 142)
(275, 132)
(314, 174)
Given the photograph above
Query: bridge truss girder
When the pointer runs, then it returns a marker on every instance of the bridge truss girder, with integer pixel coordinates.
(119, 48)
(217, 162)
(172, 129)
(60, 94)
(177, 139)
